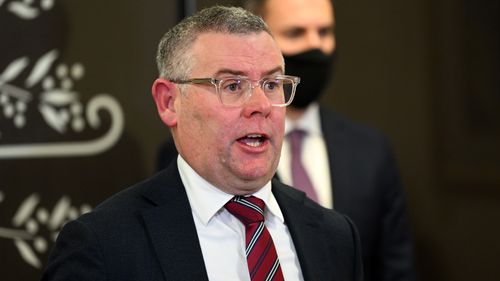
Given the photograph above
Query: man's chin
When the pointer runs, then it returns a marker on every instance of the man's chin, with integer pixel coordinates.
(258, 176)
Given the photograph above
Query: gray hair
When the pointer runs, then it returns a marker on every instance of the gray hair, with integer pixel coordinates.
(173, 57)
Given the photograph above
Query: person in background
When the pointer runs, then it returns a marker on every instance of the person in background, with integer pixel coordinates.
(215, 213)
(346, 166)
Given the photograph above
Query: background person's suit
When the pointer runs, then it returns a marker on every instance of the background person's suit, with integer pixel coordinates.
(367, 188)
(147, 232)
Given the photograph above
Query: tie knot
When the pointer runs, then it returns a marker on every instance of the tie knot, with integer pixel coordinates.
(247, 209)
(296, 136)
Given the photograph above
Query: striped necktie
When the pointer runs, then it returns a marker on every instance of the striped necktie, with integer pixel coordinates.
(262, 259)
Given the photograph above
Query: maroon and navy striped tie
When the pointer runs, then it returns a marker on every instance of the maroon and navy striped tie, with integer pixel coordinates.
(262, 260)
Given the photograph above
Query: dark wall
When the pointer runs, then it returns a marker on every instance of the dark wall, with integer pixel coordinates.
(77, 121)
(427, 74)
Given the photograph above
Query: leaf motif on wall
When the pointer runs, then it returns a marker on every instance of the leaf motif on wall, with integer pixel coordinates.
(55, 119)
(13, 70)
(27, 253)
(59, 97)
(41, 68)
(26, 209)
(23, 11)
(60, 212)
(47, 4)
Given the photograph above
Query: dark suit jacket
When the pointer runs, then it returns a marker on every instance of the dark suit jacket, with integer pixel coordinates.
(147, 232)
(367, 188)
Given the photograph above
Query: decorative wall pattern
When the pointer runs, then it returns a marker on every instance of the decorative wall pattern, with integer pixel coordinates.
(63, 137)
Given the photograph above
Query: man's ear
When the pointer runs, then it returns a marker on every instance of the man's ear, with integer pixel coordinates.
(165, 93)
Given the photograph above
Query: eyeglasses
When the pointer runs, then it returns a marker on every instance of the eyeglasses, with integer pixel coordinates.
(235, 91)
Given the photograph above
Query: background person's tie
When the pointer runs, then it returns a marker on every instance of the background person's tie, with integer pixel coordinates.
(300, 178)
(262, 259)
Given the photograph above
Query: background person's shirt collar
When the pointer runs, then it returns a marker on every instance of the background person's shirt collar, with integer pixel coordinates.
(309, 121)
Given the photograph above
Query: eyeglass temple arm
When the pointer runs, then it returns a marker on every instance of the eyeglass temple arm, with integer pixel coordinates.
(195, 81)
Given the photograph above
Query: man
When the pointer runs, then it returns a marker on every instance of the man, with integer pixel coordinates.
(351, 168)
(215, 213)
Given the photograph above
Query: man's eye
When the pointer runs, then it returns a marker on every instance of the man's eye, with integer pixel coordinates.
(232, 86)
(271, 85)
(325, 31)
(294, 33)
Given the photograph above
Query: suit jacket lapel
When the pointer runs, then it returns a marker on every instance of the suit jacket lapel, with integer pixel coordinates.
(304, 224)
(171, 228)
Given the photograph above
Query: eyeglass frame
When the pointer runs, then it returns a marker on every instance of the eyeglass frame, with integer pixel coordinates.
(248, 93)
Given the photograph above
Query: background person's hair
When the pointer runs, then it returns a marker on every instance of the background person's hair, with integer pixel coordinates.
(258, 6)
(255, 6)
(173, 57)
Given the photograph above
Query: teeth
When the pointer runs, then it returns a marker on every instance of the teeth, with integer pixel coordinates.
(254, 143)
(254, 136)
(253, 140)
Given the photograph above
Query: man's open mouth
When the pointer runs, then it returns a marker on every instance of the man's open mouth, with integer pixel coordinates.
(253, 140)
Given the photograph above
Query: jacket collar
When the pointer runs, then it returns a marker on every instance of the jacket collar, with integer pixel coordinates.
(171, 228)
(304, 221)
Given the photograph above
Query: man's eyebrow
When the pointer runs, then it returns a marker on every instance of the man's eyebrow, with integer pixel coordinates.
(274, 70)
(241, 73)
(293, 31)
(229, 71)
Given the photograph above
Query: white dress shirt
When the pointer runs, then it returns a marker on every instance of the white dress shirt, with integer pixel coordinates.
(314, 155)
(222, 236)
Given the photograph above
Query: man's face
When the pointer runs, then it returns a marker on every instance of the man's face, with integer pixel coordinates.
(300, 25)
(235, 148)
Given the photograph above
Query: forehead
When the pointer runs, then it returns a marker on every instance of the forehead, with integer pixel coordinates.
(298, 12)
(252, 54)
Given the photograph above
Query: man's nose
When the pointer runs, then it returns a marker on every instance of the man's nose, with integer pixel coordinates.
(258, 102)
(314, 40)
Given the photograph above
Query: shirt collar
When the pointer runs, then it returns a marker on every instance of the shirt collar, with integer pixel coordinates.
(206, 200)
(309, 121)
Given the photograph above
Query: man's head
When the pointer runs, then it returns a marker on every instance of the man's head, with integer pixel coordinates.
(173, 58)
(304, 30)
(298, 25)
(235, 147)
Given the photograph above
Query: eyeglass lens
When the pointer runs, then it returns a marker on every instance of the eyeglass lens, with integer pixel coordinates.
(235, 91)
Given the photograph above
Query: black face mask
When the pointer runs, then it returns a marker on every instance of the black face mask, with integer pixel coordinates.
(314, 69)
